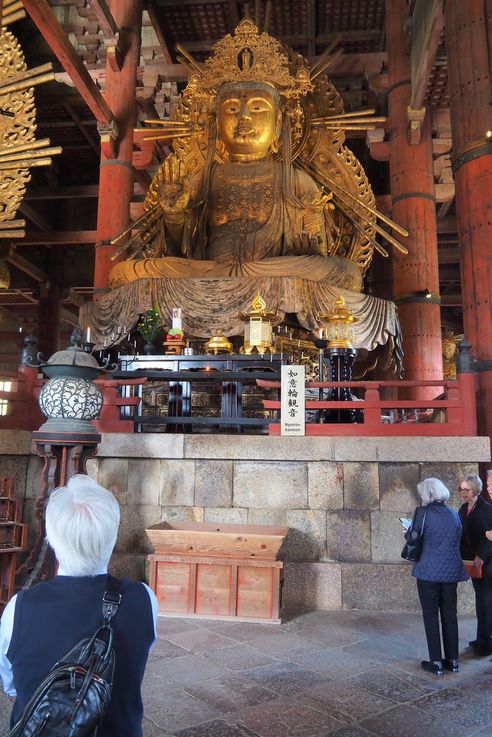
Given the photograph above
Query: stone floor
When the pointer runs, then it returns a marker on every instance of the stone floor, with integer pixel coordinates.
(337, 673)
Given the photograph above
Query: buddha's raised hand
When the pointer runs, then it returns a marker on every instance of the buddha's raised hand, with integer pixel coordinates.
(174, 189)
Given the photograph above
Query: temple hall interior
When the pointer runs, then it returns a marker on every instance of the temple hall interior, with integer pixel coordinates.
(246, 286)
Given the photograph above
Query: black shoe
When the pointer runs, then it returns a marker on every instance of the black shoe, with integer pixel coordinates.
(473, 643)
(451, 665)
(433, 666)
(482, 650)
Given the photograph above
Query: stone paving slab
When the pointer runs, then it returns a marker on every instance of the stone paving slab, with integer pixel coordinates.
(283, 718)
(231, 694)
(345, 702)
(285, 677)
(370, 684)
(239, 657)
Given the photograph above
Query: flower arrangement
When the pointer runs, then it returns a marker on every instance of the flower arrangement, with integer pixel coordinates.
(150, 323)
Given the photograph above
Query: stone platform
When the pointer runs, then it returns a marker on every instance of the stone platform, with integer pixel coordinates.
(340, 497)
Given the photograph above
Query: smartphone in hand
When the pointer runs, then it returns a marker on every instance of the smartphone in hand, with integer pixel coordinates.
(405, 522)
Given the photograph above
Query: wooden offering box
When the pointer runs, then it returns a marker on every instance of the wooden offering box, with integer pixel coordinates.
(216, 571)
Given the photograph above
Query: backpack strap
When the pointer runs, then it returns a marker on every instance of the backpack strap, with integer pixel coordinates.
(111, 600)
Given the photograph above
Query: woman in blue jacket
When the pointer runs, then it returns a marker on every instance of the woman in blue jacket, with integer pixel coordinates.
(438, 571)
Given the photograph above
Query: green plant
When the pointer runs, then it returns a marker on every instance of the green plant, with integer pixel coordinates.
(149, 324)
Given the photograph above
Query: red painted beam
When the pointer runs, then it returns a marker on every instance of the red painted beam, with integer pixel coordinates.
(56, 38)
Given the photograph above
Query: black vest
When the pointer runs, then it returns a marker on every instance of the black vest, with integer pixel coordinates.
(53, 616)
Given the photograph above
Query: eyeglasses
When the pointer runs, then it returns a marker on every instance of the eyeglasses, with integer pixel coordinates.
(464, 488)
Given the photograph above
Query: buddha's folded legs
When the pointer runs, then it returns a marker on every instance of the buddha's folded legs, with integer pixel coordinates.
(333, 270)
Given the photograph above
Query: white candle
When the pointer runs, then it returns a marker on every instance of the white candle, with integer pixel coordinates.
(321, 333)
(88, 338)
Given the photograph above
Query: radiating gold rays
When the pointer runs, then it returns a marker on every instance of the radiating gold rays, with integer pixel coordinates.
(18, 124)
(12, 10)
(360, 120)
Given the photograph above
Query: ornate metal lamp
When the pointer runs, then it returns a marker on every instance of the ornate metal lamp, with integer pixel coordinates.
(258, 328)
(337, 325)
(71, 399)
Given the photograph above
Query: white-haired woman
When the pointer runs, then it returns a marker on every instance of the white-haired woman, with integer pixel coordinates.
(40, 625)
(476, 518)
(438, 571)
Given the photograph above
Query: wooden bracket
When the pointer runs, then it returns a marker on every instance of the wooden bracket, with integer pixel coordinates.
(144, 151)
(415, 119)
(116, 52)
(109, 139)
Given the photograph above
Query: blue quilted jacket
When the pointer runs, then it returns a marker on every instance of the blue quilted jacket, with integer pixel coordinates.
(440, 559)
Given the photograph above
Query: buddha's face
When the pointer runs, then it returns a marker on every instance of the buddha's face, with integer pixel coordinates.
(248, 121)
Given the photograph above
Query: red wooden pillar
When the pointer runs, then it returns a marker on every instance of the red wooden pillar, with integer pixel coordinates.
(415, 276)
(117, 173)
(468, 40)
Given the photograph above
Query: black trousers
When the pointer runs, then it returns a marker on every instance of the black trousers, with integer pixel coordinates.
(483, 605)
(439, 599)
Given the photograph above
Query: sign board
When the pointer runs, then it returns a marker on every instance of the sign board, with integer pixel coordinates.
(292, 415)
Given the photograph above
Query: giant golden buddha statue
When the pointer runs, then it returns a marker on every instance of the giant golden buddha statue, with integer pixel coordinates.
(259, 194)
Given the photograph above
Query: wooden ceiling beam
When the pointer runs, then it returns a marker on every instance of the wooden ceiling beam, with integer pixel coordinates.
(447, 225)
(232, 15)
(62, 193)
(67, 316)
(105, 20)
(354, 65)
(300, 39)
(451, 300)
(426, 40)
(54, 35)
(60, 238)
(82, 130)
(449, 254)
(10, 254)
(311, 27)
(31, 214)
(161, 37)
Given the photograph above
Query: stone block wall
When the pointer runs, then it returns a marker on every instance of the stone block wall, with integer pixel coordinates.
(339, 497)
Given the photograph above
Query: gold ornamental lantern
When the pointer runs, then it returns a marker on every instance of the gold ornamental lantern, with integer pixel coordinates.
(218, 343)
(258, 324)
(338, 330)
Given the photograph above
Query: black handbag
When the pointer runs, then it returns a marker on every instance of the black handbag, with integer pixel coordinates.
(72, 699)
(414, 540)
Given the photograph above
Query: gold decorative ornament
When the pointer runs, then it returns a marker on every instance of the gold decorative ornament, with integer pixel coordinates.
(19, 151)
(258, 324)
(218, 344)
(450, 343)
(338, 323)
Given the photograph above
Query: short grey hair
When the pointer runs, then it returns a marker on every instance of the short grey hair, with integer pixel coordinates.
(475, 484)
(82, 520)
(432, 490)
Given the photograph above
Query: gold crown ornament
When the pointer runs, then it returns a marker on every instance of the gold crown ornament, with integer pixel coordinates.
(251, 56)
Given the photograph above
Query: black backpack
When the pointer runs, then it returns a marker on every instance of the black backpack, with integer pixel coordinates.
(72, 699)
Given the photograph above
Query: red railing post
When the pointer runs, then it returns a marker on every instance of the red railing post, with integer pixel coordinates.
(467, 383)
(372, 410)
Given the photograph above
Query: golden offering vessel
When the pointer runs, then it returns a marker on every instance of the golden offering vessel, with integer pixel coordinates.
(338, 325)
(218, 343)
